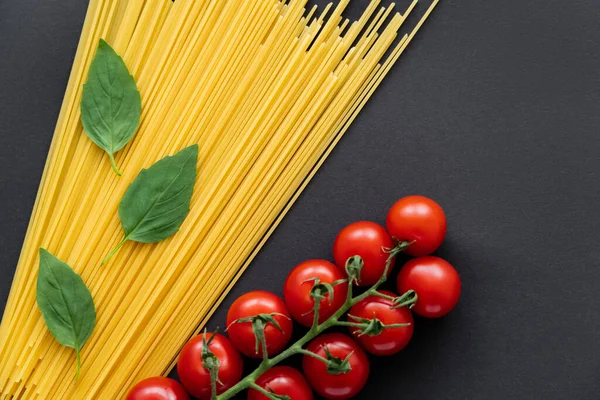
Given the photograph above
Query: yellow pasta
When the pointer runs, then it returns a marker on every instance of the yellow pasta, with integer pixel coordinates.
(266, 89)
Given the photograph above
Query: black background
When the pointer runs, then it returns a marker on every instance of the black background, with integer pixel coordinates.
(494, 112)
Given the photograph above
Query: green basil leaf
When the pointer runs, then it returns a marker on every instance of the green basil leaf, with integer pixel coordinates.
(110, 104)
(65, 302)
(158, 200)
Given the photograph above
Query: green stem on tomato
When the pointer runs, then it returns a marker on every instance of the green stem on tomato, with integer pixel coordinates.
(315, 330)
(260, 389)
(316, 310)
(313, 355)
(266, 393)
(384, 296)
(408, 299)
(213, 382)
(350, 324)
(259, 331)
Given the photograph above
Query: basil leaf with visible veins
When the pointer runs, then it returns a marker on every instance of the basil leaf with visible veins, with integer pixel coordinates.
(66, 303)
(158, 200)
(110, 104)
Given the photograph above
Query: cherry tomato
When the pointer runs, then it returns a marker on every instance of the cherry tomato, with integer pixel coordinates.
(436, 282)
(367, 240)
(252, 304)
(418, 219)
(298, 285)
(195, 378)
(391, 340)
(341, 386)
(158, 388)
(284, 381)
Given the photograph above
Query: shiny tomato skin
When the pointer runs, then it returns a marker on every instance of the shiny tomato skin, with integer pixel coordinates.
(418, 219)
(342, 386)
(249, 305)
(436, 282)
(297, 289)
(196, 379)
(368, 240)
(284, 381)
(158, 388)
(391, 340)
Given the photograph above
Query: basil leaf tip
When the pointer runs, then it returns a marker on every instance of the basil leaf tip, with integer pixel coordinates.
(158, 200)
(110, 103)
(65, 302)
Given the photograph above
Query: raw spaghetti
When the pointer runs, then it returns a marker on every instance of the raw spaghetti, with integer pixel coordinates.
(266, 89)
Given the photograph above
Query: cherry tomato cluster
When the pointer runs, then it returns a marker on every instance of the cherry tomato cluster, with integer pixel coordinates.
(316, 294)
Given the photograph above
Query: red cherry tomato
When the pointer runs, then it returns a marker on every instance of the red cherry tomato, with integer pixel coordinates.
(342, 386)
(436, 282)
(418, 219)
(195, 378)
(298, 285)
(391, 340)
(367, 240)
(158, 388)
(284, 381)
(252, 304)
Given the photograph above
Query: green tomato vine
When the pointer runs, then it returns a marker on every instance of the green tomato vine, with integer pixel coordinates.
(334, 365)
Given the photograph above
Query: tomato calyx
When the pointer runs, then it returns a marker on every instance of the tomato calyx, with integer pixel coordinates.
(371, 326)
(269, 393)
(408, 299)
(335, 365)
(354, 266)
(320, 290)
(259, 323)
(318, 293)
(401, 245)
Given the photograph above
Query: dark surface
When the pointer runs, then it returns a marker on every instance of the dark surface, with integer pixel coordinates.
(494, 112)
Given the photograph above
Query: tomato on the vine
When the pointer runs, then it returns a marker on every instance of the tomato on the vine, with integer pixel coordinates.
(158, 388)
(284, 381)
(343, 385)
(195, 378)
(391, 340)
(253, 304)
(420, 220)
(368, 240)
(436, 282)
(299, 284)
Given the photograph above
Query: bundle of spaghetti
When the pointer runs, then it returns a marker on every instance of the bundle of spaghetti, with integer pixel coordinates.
(266, 89)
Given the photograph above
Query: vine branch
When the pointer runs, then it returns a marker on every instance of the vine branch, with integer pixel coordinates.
(353, 268)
